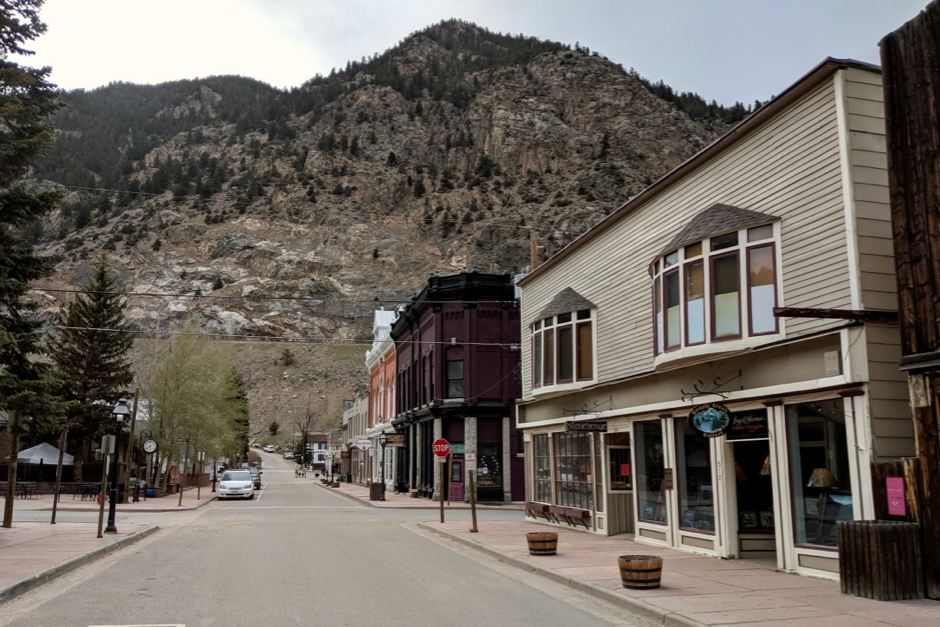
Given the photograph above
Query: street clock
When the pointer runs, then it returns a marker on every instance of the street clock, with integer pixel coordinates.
(150, 446)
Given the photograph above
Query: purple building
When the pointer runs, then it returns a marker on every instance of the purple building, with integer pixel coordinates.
(457, 354)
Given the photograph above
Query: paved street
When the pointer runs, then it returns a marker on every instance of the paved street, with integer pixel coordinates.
(299, 554)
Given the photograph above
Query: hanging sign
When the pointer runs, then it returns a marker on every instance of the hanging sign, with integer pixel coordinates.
(748, 425)
(711, 419)
(395, 439)
(594, 427)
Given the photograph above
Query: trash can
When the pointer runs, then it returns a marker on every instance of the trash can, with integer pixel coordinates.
(375, 491)
(880, 559)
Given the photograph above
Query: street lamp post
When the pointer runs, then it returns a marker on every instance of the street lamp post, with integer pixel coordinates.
(383, 440)
(120, 413)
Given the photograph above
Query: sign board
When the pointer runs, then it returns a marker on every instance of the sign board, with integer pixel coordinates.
(441, 448)
(457, 448)
(896, 503)
(363, 444)
(396, 439)
(589, 427)
(748, 425)
(471, 460)
(371, 452)
(711, 419)
(344, 455)
(107, 444)
(182, 440)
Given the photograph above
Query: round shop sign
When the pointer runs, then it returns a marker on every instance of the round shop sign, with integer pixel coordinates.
(711, 419)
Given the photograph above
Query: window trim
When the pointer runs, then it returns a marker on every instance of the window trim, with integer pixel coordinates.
(673, 270)
(771, 244)
(735, 252)
(540, 328)
(698, 260)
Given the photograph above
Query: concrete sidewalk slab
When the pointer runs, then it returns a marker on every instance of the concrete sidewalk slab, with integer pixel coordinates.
(168, 503)
(33, 553)
(696, 590)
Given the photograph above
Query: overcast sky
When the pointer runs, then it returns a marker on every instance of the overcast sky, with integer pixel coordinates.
(729, 50)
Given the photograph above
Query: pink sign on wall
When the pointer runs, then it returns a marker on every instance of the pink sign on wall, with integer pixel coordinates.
(896, 504)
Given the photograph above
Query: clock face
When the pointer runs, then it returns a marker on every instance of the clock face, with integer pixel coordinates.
(150, 446)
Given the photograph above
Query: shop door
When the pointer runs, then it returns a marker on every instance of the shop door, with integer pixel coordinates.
(752, 498)
(456, 478)
(619, 485)
(490, 472)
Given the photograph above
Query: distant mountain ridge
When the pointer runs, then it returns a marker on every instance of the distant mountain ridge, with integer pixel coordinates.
(296, 213)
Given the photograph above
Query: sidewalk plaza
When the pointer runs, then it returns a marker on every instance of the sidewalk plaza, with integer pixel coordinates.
(696, 590)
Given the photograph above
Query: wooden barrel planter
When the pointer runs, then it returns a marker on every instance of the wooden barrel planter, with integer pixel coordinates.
(542, 543)
(640, 572)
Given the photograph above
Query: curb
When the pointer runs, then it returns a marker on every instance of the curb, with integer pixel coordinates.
(25, 585)
(638, 606)
(202, 503)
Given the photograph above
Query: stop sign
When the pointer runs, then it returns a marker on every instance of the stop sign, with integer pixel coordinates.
(441, 447)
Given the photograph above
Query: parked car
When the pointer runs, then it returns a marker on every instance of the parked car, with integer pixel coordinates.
(269, 448)
(288, 455)
(256, 477)
(236, 484)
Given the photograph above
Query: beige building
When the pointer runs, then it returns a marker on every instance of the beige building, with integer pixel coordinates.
(662, 395)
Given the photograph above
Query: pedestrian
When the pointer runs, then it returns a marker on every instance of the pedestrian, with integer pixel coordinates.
(303, 472)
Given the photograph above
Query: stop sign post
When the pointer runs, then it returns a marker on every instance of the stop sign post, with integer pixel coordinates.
(441, 448)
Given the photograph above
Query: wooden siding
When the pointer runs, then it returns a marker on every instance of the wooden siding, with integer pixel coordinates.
(868, 161)
(789, 167)
(891, 424)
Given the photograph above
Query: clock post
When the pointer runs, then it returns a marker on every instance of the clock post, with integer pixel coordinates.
(149, 446)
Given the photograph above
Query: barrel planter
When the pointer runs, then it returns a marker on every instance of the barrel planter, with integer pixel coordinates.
(640, 572)
(542, 543)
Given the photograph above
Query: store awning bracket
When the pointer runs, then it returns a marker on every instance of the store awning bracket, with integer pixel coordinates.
(698, 388)
(585, 409)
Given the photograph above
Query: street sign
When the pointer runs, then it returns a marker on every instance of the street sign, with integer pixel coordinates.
(396, 439)
(182, 440)
(441, 448)
(363, 444)
(471, 460)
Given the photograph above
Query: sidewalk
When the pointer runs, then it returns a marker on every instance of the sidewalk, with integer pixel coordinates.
(166, 503)
(33, 553)
(696, 590)
(392, 500)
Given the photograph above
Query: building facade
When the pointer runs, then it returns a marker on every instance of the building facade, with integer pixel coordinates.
(380, 361)
(457, 358)
(355, 420)
(714, 366)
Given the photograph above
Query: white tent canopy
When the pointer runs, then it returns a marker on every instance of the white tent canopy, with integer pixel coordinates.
(44, 453)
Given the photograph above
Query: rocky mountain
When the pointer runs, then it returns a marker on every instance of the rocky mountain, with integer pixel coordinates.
(296, 213)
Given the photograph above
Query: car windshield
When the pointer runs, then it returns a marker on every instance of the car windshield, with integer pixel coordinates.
(236, 476)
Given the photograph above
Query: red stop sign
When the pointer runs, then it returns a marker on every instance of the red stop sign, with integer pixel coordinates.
(441, 447)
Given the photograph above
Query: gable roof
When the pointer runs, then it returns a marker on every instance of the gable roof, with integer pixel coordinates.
(715, 220)
(565, 301)
(822, 72)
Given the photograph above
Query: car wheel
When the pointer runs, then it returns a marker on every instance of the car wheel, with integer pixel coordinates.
(251, 497)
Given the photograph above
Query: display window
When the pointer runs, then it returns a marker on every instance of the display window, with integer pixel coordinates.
(696, 490)
(819, 467)
(650, 471)
(574, 481)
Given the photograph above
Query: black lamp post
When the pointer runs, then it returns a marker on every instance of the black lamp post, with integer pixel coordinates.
(120, 413)
(383, 440)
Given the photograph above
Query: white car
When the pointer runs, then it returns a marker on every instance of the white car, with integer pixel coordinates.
(269, 448)
(236, 484)
(288, 455)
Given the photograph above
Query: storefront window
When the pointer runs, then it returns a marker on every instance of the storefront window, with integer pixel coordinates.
(573, 477)
(618, 457)
(489, 467)
(543, 470)
(819, 466)
(651, 496)
(696, 496)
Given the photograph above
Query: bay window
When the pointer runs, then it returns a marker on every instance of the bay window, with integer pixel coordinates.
(563, 349)
(719, 288)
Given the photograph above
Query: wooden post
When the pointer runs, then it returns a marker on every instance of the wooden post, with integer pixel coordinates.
(104, 486)
(182, 473)
(14, 428)
(450, 468)
(441, 484)
(58, 473)
(473, 499)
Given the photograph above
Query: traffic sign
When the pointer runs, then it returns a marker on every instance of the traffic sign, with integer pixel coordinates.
(441, 447)
(471, 460)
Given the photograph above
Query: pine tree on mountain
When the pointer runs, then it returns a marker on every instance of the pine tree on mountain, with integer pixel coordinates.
(240, 417)
(27, 100)
(90, 351)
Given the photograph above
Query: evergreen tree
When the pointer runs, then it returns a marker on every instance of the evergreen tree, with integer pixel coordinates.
(90, 351)
(27, 100)
(240, 416)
